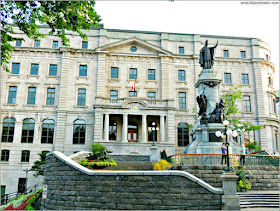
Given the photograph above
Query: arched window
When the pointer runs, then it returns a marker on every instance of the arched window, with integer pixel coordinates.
(112, 130)
(79, 135)
(28, 131)
(47, 131)
(150, 131)
(183, 134)
(132, 134)
(8, 130)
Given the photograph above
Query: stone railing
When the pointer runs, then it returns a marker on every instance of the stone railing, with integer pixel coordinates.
(122, 101)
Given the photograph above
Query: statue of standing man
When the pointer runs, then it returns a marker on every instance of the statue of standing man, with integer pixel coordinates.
(206, 59)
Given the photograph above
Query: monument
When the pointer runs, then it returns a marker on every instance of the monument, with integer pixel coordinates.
(211, 109)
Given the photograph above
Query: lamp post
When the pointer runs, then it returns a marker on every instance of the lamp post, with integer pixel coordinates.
(240, 132)
(224, 134)
(153, 130)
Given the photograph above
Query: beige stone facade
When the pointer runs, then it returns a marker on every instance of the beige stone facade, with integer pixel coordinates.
(167, 70)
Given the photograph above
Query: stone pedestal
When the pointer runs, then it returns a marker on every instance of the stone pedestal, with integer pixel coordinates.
(154, 157)
(206, 142)
(230, 199)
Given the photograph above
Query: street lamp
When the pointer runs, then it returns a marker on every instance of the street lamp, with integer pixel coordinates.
(224, 134)
(240, 132)
(153, 130)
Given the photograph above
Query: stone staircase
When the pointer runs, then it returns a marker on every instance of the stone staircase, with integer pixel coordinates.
(259, 199)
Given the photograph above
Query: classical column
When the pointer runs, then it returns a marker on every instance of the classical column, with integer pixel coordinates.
(124, 129)
(162, 129)
(144, 128)
(106, 127)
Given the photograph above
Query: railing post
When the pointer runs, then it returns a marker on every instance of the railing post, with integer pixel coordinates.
(230, 199)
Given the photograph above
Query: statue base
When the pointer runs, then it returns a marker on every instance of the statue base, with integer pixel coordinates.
(206, 142)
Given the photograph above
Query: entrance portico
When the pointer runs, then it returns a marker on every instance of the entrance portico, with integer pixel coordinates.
(126, 129)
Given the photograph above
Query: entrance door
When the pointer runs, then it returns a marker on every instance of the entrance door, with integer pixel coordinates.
(132, 133)
(132, 136)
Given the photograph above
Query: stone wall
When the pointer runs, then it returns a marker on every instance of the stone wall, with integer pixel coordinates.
(264, 177)
(71, 186)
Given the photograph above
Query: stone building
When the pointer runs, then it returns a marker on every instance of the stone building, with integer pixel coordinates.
(115, 86)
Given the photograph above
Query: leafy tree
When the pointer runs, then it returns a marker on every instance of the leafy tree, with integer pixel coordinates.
(59, 15)
(253, 147)
(230, 100)
(39, 165)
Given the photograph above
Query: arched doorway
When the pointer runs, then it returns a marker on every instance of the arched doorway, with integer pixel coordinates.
(132, 132)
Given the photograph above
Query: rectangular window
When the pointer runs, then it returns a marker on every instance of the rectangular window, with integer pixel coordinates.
(151, 95)
(276, 141)
(243, 54)
(34, 69)
(50, 96)
(132, 94)
(132, 73)
(245, 78)
(247, 104)
(226, 53)
(113, 96)
(83, 70)
(5, 155)
(114, 72)
(151, 74)
(81, 97)
(12, 95)
(25, 154)
(37, 43)
(21, 185)
(31, 95)
(227, 78)
(53, 70)
(181, 50)
(84, 45)
(55, 44)
(18, 43)
(15, 68)
(182, 101)
(181, 75)
(274, 106)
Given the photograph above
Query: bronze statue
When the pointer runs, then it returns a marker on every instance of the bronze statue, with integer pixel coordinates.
(202, 103)
(206, 59)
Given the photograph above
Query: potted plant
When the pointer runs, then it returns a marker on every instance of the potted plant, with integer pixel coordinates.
(99, 158)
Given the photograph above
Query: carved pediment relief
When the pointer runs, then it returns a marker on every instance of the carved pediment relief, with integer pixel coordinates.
(142, 47)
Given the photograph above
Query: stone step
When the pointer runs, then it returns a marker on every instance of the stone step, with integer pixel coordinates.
(247, 200)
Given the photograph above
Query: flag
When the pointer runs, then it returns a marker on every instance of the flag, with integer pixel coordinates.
(133, 87)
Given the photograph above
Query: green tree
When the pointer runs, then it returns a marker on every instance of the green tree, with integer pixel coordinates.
(230, 100)
(39, 165)
(59, 15)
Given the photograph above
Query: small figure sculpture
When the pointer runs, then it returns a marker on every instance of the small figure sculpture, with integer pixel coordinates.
(206, 59)
(204, 119)
(202, 103)
(216, 115)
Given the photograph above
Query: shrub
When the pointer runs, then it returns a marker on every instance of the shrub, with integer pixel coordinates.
(92, 163)
(243, 179)
(99, 152)
(161, 165)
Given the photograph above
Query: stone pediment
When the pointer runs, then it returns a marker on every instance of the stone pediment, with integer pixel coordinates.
(135, 104)
(142, 47)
